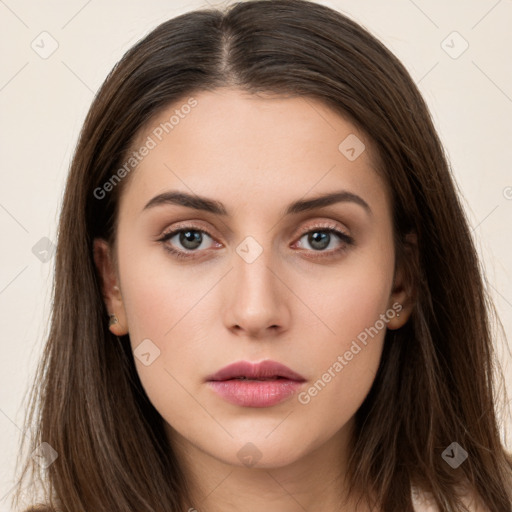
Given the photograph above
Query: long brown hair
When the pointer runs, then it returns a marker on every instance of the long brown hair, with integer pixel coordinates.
(436, 381)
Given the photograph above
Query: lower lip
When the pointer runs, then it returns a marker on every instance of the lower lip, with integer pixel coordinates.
(255, 393)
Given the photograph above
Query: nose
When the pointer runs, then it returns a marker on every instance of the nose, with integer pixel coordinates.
(257, 305)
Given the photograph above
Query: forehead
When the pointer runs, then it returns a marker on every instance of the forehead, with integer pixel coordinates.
(242, 146)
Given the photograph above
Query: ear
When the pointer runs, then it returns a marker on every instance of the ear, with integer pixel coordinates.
(104, 262)
(403, 294)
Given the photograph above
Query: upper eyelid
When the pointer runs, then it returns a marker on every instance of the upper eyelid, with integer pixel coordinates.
(329, 226)
(175, 230)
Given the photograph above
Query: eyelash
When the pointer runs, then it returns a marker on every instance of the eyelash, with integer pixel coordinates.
(329, 228)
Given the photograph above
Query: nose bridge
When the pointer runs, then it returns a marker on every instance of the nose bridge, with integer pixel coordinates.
(252, 274)
(257, 301)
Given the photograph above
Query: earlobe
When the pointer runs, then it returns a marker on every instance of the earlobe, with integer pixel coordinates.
(110, 287)
(401, 315)
(401, 302)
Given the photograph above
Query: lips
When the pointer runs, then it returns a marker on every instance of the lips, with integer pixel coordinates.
(262, 384)
(266, 370)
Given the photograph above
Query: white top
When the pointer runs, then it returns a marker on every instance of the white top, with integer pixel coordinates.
(424, 502)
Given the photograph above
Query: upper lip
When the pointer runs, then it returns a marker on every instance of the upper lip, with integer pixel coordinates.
(264, 369)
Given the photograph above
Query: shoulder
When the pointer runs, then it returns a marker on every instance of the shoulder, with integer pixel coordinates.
(424, 502)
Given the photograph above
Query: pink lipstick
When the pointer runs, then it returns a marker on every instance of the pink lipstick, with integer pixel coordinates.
(255, 385)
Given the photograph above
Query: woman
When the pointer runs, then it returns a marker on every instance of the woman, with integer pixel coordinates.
(266, 292)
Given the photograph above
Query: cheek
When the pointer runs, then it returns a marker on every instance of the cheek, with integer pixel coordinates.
(165, 308)
(156, 294)
(354, 309)
(349, 300)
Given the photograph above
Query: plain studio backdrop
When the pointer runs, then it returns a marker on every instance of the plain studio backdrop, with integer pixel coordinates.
(56, 54)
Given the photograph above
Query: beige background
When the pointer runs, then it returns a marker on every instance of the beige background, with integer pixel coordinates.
(43, 103)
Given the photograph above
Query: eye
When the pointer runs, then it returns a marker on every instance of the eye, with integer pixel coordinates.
(322, 237)
(190, 238)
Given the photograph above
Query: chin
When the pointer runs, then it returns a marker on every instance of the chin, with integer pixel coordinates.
(263, 454)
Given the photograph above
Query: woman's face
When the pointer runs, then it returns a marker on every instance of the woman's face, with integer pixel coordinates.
(257, 282)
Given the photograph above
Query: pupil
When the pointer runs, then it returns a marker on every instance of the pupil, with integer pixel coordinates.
(318, 242)
(190, 239)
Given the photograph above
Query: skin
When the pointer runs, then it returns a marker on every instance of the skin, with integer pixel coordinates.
(255, 154)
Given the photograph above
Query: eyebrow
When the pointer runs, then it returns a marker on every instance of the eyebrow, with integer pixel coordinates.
(212, 206)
